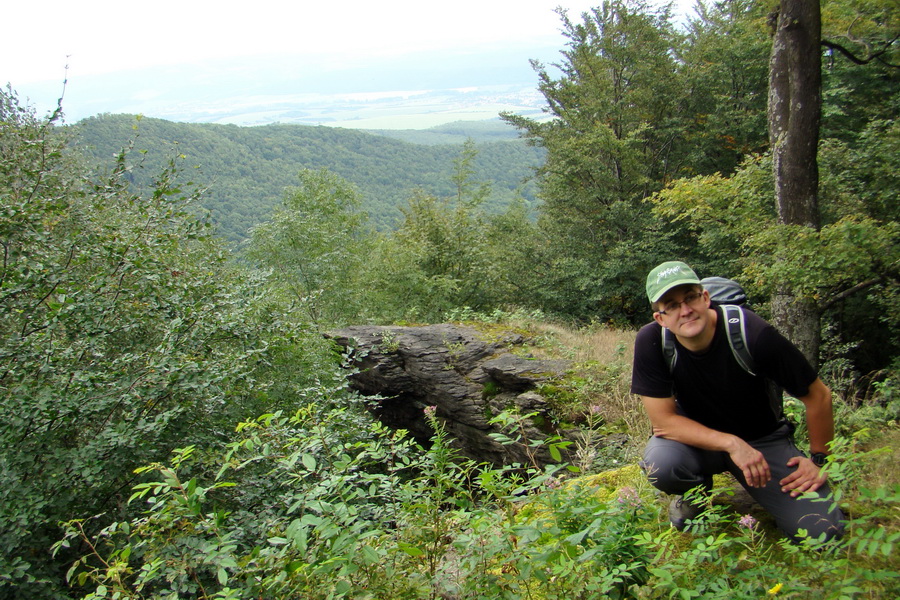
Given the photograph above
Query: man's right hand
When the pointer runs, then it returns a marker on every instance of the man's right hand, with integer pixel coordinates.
(667, 423)
(751, 462)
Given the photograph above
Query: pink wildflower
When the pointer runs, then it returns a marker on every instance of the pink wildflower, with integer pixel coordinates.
(748, 522)
(628, 496)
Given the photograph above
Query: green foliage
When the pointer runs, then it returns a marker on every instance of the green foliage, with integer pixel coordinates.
(621, 129)
(726, 84)
(457, 132)
(314, 247)
(377, 517)
(468, 192)
(447, 254)
(859, 68)
(246, 169)
(571, 541)
(339, 523)
(447, 241)
(124, 332)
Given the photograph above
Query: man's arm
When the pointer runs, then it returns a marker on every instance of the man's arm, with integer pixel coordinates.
(668, 424)
(820, 424)
(819, 416)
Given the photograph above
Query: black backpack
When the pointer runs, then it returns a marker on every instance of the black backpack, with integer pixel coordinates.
(730, 296)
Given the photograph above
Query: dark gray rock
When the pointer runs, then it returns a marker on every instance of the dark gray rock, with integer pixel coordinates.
(469, 378)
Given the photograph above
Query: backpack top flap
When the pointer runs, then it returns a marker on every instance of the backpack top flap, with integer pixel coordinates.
(724, 291)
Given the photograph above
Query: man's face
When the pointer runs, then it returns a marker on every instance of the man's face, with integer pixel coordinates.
(684, 311)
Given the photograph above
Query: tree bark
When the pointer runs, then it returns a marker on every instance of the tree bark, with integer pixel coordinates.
(794, 112)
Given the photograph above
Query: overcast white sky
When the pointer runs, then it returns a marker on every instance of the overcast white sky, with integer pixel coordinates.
(101, 36)
(105, 47)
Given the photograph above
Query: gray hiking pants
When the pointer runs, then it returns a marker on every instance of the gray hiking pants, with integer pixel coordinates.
(674, 468)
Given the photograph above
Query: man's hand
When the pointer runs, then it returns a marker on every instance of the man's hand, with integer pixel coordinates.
(751, 462)
(667, 423)
(807, 478)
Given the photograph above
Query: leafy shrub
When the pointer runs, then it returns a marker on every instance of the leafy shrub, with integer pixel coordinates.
(125, 332)
(378, 517)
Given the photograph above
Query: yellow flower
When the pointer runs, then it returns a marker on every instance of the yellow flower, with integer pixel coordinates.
(775, 589)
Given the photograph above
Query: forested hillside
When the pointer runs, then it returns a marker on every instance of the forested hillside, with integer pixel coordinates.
(247, 169)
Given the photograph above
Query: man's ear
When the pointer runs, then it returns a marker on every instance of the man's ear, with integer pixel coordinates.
(658, 318)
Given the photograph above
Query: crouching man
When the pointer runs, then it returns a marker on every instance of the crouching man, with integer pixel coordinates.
(711, 415)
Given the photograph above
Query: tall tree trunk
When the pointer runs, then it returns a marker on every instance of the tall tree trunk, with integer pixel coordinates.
(795, 80)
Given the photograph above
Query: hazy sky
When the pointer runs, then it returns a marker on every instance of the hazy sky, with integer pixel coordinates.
(158, 58)
(102, 36)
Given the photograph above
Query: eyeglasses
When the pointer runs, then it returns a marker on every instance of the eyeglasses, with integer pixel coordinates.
(674, 307)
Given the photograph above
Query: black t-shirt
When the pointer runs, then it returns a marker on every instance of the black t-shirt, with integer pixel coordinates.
(712, 388)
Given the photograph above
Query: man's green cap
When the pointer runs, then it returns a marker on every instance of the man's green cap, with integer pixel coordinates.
(668, 275)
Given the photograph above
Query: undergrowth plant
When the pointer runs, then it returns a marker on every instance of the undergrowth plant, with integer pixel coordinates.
(303, 506)
(375, 520)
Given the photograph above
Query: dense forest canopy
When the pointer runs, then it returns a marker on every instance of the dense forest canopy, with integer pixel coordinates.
(247, 169)
(131, 329)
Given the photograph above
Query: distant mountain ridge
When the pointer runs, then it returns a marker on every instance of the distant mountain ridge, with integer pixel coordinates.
(248, 169)
(457, 132)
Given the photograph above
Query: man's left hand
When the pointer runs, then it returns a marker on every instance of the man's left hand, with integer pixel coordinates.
(806, 478)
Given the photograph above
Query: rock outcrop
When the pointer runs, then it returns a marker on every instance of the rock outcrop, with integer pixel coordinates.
(469, 376)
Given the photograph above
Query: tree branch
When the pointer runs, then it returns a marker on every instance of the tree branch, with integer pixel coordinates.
(850, 291)
(871, 56)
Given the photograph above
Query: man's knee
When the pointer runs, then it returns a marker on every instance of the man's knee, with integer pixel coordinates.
(671, 467)
(658, 464)
(823, 526)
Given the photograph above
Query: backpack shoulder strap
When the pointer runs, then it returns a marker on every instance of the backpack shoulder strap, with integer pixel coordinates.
(670, 353)
(737, 339)
(737, 336)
